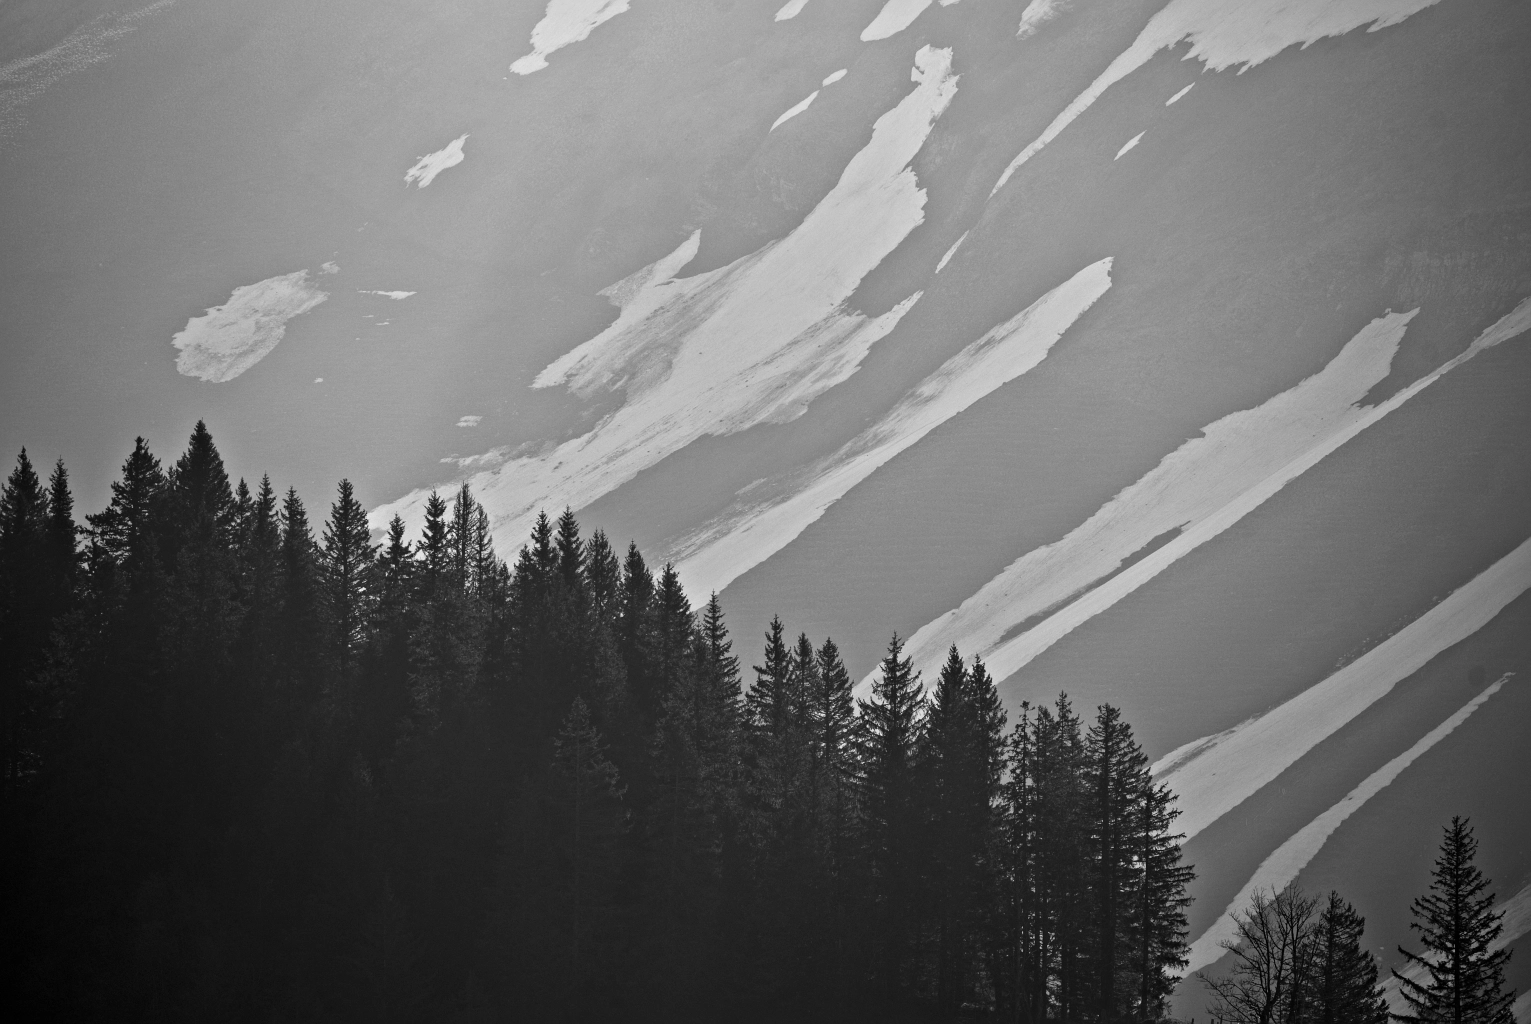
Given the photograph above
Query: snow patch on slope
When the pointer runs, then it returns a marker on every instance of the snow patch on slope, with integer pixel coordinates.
(1224, 33)
(1288, 860)
(895, 16)
(791, 9)
(565, 22)
(794, 110)
(1196, 492)
(951, 252)
(1036, 13)
(1130, 143)
(833, 78)
(432, 164)
(1225, 773)
(1178, 95)
(385, 294)
(229, 339)
(751, 531)
(749, 343)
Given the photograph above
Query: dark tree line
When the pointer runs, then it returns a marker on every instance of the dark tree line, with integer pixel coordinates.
(259, 766)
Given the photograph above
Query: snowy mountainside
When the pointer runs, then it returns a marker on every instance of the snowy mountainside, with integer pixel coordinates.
(1173, 353)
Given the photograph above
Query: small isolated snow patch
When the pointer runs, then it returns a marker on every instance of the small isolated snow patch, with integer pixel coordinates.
(565, 22)
(951, 252)
(795, 110)
(433, 164)
(229, 339)
(1179, 94)
(791, 9)
(318, 380)
(384, 294)
(470, 421)
(1130, 143)
(329, 267)
(1037, 12)
(895, 16)
(832, 79)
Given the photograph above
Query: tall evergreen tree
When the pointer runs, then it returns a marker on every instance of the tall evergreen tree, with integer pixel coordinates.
(1116, 781)
(346, 570)
(1343, 976)
(24, 610)
(891, 724)
(1462, 963)
(770, 700)
(1159, 905)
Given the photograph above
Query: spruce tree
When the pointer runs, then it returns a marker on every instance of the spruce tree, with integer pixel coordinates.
(1159, 905)
(891, 724)
(346, 574)
(770, 700)
(1343, 977)
(1116, 780)
(122, 528)
(24, 561)
(1462, 961)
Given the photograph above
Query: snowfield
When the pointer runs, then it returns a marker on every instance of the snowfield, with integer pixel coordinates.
(433, 164)
(229, 339)
(751, 531)
(565, 22)
(749, 343)
(1222, 34)
(1284, 864)
(1195, 493)
(1215, 775)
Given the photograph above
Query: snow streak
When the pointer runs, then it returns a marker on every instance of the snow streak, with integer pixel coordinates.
(1293, 855)
(1130, 143)
(940, 266)
(385, 294)
(229, 339)
(1223, 34)
(790, 10)
(751, 531)
(424, 172)
(895, 16)
(794, 110)
(1195, 493)
(750, 343)
(1214, 776)
(565, 22)
(1178, 95)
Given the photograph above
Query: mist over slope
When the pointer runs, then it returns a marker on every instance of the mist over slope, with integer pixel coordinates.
(1247, 455)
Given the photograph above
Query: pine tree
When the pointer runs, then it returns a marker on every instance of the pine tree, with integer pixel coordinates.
(299, 631)
(603, 574)
(832, 718)
(1458, 928)
(891, 724)
(346, 570)
(1116, 771)
(24, 561)
(1159, 906)
(122, 528)
(770, 700)
(1343, 978)
(949, 759)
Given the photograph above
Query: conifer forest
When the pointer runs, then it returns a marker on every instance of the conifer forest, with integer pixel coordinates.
(263, 764)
